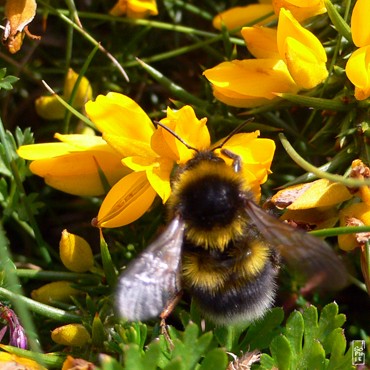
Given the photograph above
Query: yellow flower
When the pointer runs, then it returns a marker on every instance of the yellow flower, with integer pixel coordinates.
(290, 58)
(240, 16)
(74, 164)
(133, 143)
(357, 214)
(256, 155)
(302, 51)
(360, 27)
(301, 9)
(11, 361)
(155, 157)
(358, 72)
(48, 107)
(312, 203)
(74, 335)
(135, 8)
(250, 82)
(56, 291)
(358, 65)
(261, 42)
(75, 252)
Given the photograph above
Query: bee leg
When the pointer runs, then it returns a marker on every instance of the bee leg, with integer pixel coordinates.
(171, 304)
(237, 163)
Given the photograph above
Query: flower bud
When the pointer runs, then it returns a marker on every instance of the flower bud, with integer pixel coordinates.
(74, 335)
(75, 252)
(56, 291)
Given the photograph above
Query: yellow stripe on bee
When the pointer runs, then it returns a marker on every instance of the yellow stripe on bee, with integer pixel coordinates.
(201, 273)
(255, 262)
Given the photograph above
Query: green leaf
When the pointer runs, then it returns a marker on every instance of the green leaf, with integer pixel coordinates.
(261, 332)
(191, 348)
(294, 333)
(313, 357)
(6, 82)
(216, 359)
(339, 23)
(282, 352)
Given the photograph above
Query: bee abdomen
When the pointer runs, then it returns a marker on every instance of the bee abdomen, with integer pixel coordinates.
(240, 300)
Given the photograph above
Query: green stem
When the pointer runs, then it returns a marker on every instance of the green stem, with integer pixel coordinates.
(40, 308)
(56, 275)
(335, 231)
(321, 174)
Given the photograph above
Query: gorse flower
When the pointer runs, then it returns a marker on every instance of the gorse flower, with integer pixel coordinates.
(301, 9)
(156, 155)
(358, 65)
(289, 59)
(135, 157)
(240, 16)
(135, 8)
(48, 107)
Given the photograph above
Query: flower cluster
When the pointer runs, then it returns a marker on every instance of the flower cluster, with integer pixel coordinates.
(289, 58)
(135, 158)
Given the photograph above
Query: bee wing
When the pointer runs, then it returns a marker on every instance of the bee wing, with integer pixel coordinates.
(150, 281)
(304, 252)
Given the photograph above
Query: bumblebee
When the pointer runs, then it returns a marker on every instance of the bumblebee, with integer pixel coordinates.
(221, 248)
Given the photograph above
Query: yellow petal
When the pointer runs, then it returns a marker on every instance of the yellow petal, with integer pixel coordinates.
(360, 211)
(358, 72)
(59, 291)
(78, 173)
(49, 108)
(84, 90)
(250, 79)
(188, 127)
(256, 153)
(288, 27)
(117, 114)
(360, 25)
(128, 146)
(306, 70)
(319, 193)
(128, 200)
(75, 252)
(261, 42)
(135, 8)
(74, 335)
(159, 178)
(44, 151)
(83, 142)
(301, 9)
(240, 16)
(14, 362)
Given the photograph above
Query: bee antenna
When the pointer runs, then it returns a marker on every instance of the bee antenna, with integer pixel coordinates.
(176, 136)
(232, 133)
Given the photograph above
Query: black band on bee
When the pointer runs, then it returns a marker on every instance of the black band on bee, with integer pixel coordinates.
(240, 300)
